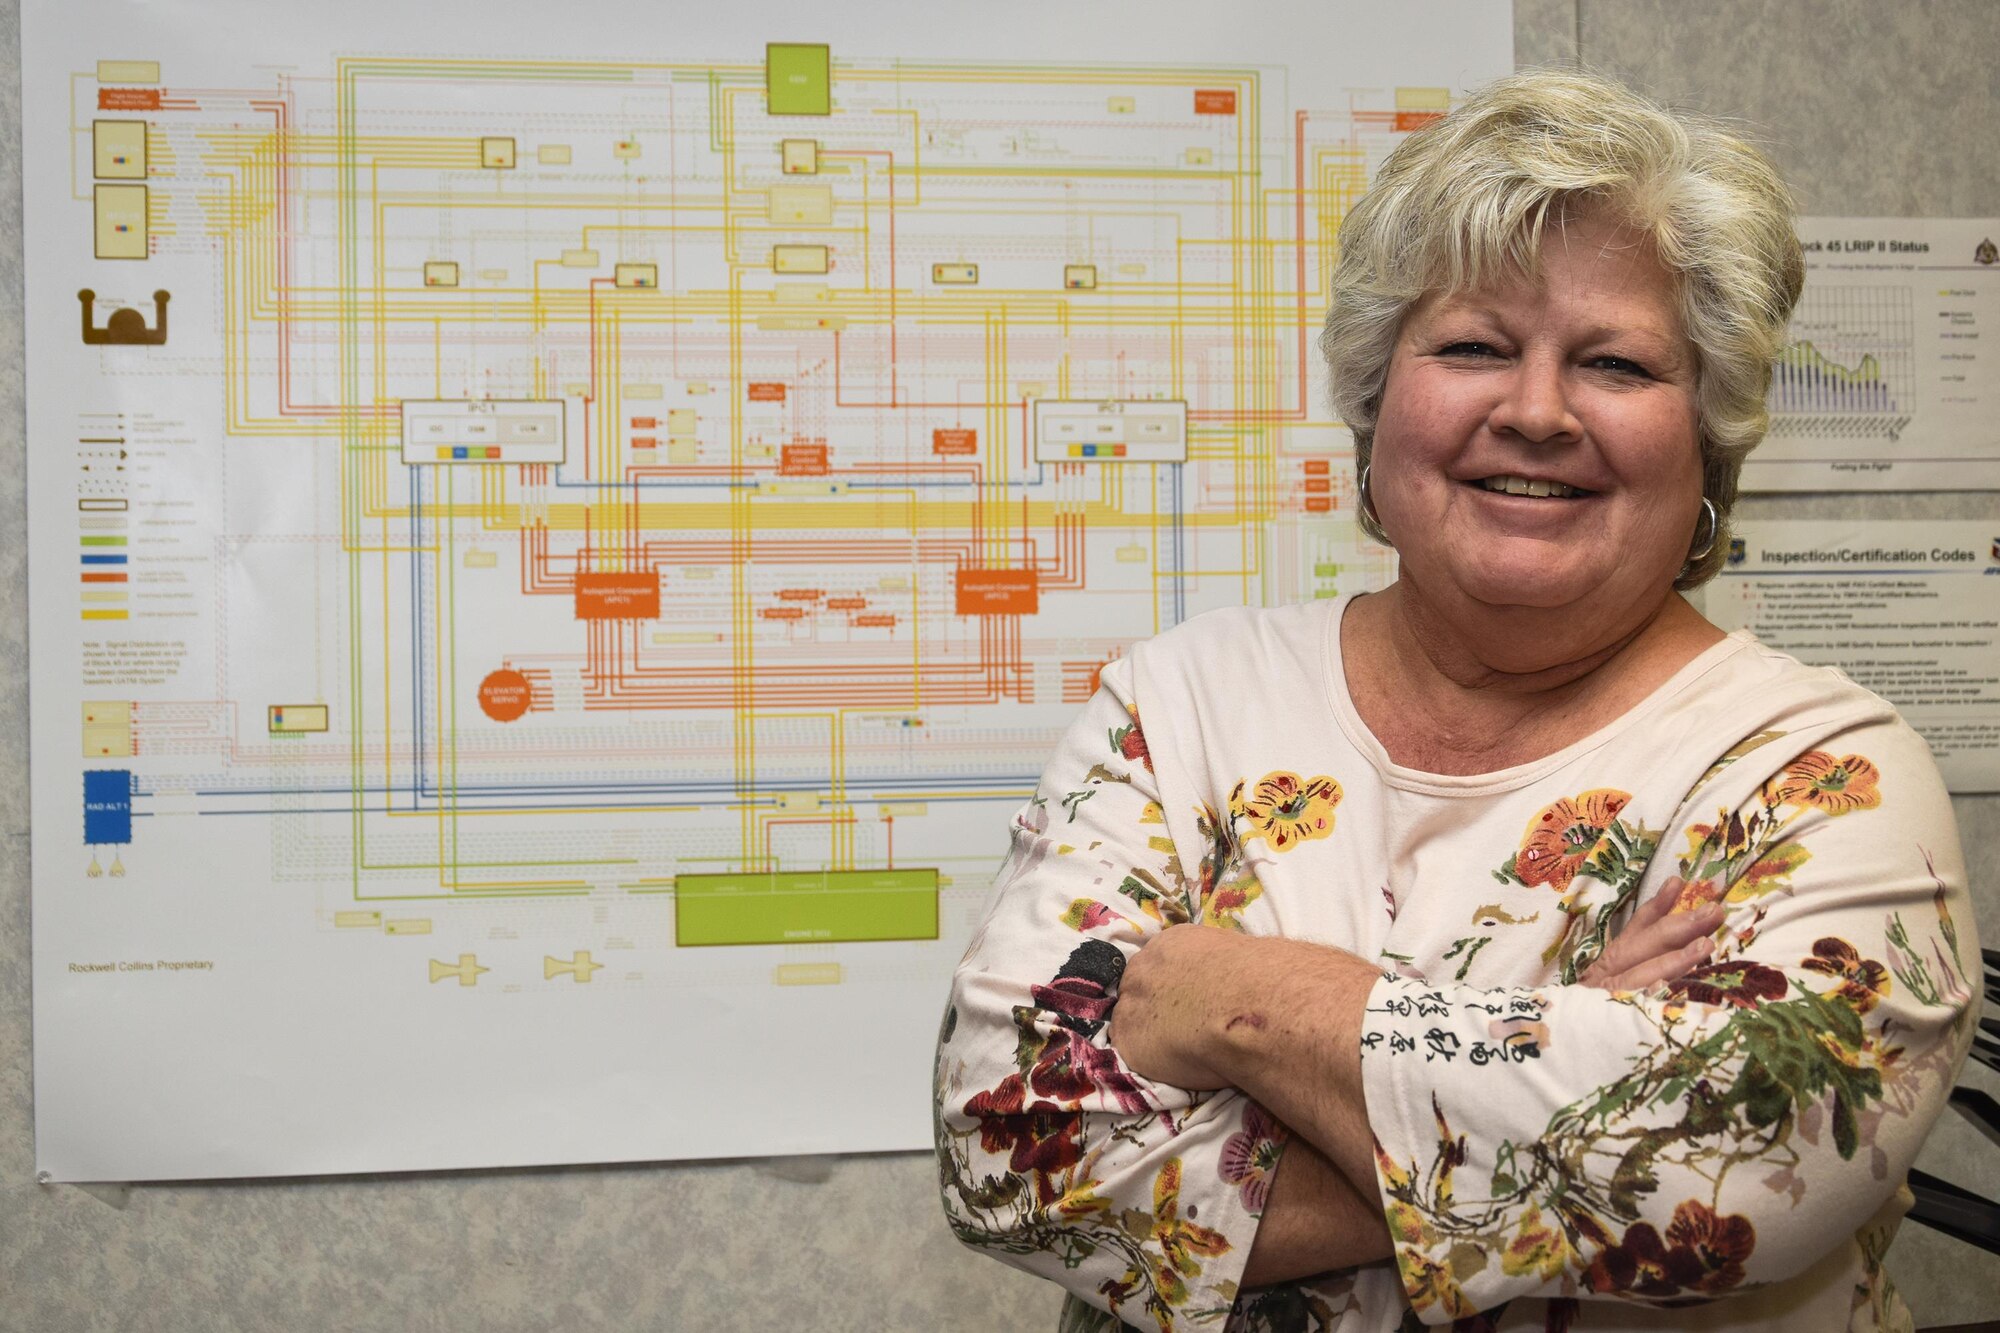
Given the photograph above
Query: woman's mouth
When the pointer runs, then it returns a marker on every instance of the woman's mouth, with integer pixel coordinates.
(1552, 490)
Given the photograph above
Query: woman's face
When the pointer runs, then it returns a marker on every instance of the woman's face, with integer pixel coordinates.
(1578, 389)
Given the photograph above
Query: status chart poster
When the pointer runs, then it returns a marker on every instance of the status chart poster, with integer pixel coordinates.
(1891, 381)
(1909, 609)
(560, 539)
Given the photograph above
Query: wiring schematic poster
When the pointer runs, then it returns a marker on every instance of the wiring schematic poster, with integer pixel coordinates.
(560, 542)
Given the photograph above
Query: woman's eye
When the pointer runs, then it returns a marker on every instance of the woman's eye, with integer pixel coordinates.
(1467, 348)
(1623, 365)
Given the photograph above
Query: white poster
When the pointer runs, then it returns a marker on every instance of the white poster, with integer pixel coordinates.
(560, 538)
(1911, 610)
(1891, 381)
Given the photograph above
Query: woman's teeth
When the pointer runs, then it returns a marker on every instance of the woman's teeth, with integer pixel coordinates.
(1522, 486)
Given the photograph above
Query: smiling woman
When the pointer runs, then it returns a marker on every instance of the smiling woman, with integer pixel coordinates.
(1509, 946)
(1532, 427)
(1470, 204)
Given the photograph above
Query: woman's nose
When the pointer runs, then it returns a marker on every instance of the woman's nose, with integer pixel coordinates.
(1534, 402)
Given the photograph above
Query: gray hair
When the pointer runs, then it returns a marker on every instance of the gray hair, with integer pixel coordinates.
(1465, 201)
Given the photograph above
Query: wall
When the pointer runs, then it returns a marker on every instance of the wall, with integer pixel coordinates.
(1871, 109)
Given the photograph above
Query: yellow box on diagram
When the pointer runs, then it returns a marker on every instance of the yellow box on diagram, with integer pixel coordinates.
(107, 729)
(807, 974)
(497, 153)
(296, 719)
(121, 221)
(636, 277)
(128, 71)
(800, 156)
(801, 205)
(955, 275)
(800, 259)
(118, 149)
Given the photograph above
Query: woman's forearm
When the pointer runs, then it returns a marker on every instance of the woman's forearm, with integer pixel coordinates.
(1315, 1221)
(1290, 1037)
(1281, 1019)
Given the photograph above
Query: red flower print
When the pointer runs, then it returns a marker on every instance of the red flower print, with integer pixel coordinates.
(1046, 1145)
(995, 1111)
(1071, 1070)
(1836, 786)
(1721, 1244)
(1130, 742)
(1701, 1253)
(1080, 1001)
(1863, 980)
(1040, 1140)
(1250, 1155)
(1743, 984)
(1560, 839)
(1696, 895)
(1636, 1264)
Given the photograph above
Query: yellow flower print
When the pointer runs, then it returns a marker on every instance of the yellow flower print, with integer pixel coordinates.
(1536, 1248)
(1225, 904)
(1285, 809)
(1428, 1283)
(1835, 786)
(1407, 1224)
(1179, 1240)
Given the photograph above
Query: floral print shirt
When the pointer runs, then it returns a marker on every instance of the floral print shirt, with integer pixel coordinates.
(1550, 1156)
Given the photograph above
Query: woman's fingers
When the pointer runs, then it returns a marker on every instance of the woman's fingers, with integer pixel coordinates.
(1666, 967)
(1660, 904)
(1657, 944)
(1681, 927)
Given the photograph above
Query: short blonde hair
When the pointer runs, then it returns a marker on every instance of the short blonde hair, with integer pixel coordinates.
(1465, 201)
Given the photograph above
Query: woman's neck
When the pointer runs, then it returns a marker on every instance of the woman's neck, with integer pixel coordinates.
(1492, 687)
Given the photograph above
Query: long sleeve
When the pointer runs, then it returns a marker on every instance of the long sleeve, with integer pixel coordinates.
(1725, 1131)
(1139, 1198)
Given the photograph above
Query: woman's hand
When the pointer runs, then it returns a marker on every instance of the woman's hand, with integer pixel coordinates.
(1171, 991)
(1657, 944)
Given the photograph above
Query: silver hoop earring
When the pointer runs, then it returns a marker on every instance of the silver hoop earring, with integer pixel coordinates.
(1368, 510)
(1714, 527)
